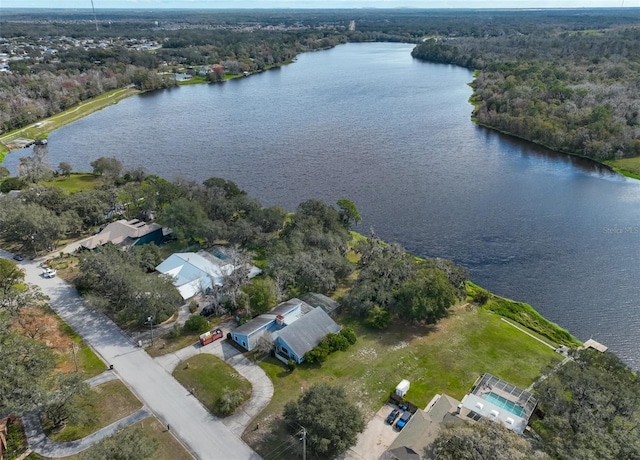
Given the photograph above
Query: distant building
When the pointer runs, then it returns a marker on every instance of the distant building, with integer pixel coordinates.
(182, 77)
(125, 233)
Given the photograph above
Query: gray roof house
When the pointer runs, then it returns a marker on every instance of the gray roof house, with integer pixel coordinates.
(271, 322)
(320, 300)
(295, 340)
(125, 233)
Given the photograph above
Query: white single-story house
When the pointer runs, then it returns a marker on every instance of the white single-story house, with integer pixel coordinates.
(125, 232)
(295, 340)
(193, 272)
(279, 317)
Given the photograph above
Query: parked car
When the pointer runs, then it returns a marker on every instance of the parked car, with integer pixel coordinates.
(393, 416)
(18, 257)
(404, 419)
(207, 311)
(48, 273)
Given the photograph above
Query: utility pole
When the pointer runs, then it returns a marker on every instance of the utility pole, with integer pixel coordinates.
(150, 319)
(75, 359)
(304, 443)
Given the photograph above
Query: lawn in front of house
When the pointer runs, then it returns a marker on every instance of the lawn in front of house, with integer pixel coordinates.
(167, 446)
(103, 405)
(208, 376)
(444, 358)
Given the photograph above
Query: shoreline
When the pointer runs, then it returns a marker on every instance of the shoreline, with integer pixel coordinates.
(45, 126)
(34, 131)
(611, 167)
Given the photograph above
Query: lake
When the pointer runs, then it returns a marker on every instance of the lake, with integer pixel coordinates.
(367, 122)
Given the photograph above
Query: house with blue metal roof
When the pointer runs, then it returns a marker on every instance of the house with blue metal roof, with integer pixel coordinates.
(192, 273)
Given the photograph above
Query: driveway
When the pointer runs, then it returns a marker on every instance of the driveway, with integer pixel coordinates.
(376, 437)
(261, 386)
(204, 435)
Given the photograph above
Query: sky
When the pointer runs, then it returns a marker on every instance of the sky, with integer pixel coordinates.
(160, 4)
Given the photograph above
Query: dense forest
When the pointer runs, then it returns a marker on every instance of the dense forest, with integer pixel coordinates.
(574, 91)
(565, 79)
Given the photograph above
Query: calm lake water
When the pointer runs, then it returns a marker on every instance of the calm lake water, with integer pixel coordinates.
(367, 122)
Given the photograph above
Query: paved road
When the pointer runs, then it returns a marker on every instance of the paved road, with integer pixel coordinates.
(204, 435)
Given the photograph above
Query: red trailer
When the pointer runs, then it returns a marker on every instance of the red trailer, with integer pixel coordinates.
(210, 336)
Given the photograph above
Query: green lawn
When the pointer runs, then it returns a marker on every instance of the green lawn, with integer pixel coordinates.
(447, 358)
(76, 182)
(104, 405)
(524, 314)
(168, 447)
(208, 375)
(629, 167)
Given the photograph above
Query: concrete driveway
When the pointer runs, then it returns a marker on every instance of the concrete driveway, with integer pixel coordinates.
(376, 437)
(261, 386)
(204, 435)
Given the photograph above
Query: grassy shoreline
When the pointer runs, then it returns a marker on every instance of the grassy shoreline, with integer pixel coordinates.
(42, 128)
(618, 166)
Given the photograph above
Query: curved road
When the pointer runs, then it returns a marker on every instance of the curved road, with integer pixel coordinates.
(204, 435)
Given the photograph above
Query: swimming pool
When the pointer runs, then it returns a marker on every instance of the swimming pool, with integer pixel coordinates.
(504, 403)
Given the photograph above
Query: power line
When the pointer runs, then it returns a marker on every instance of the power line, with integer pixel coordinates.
(279, 446)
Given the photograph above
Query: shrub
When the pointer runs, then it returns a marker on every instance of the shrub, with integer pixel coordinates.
(349, 334)
(292, 364)
(197, 324)
(176, 330)
(317, 354)
(193, 306)
(378, 317)
(229, 401)
(336, 342)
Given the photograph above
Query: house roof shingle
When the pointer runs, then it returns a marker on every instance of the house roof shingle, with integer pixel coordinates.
(305, 333)
(283, 309)
(117, 232)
